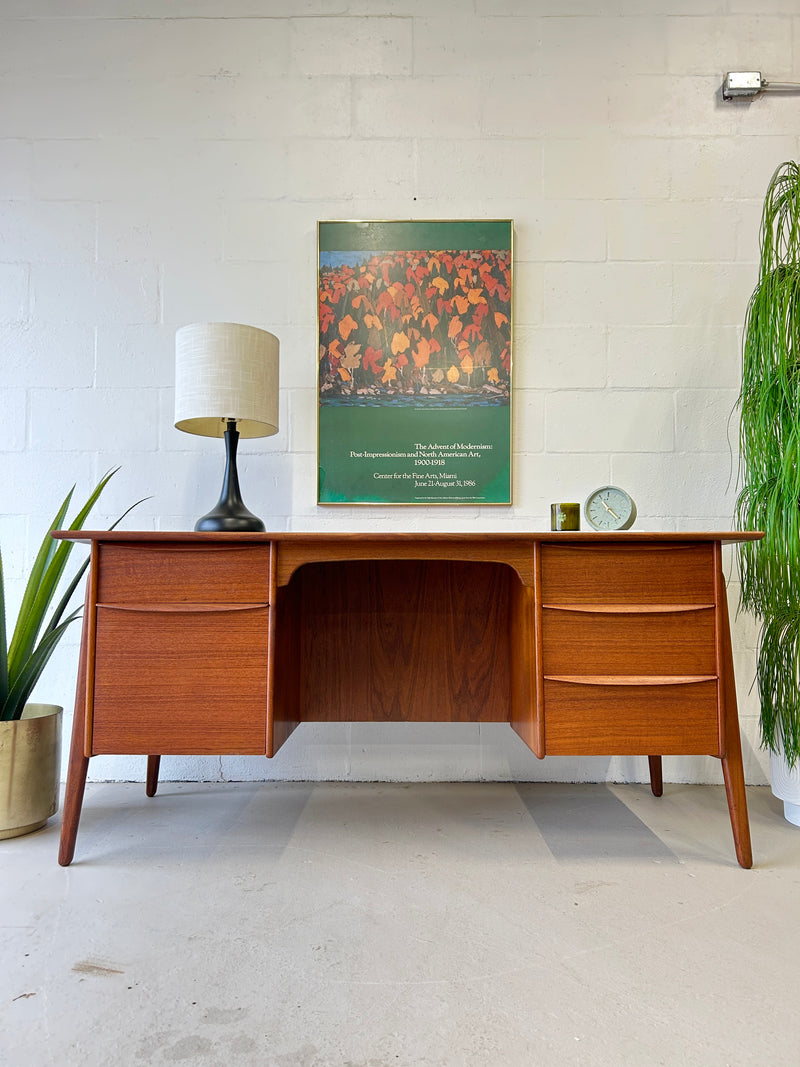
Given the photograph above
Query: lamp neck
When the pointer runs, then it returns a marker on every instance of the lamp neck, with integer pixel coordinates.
(230, 481)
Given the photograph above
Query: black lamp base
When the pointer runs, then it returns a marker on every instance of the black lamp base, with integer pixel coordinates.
(230, 515)
(241, 522)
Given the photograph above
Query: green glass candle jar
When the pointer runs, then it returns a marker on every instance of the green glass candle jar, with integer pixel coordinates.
(565, 516)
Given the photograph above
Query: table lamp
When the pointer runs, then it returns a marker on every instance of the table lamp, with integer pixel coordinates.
(226, 385)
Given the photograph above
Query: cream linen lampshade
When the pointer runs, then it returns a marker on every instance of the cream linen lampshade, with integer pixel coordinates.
(226, 385)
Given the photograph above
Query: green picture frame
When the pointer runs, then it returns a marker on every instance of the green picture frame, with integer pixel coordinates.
(414, 326)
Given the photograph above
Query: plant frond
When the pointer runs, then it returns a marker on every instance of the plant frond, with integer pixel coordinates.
(69, 592)
(44, 579)
(35, 635)
(769, 472)
(43, 561)
(27, 678)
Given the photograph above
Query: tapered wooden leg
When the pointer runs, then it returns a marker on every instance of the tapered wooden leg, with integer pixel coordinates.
(153, 763)
(73, 802)
(78, 764)
(732, 767)
(733, 773)
(656, 777)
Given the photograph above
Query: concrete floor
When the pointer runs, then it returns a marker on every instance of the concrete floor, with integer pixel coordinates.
(375, 925)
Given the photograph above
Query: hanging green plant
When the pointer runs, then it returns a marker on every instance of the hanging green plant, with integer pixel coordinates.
(769, 500)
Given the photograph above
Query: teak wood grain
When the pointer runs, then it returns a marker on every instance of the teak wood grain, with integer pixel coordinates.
(613, 719)
(585, 644)
(637, 643)
(207, 668)
(174, 574)
(624, 573)
(405, 641)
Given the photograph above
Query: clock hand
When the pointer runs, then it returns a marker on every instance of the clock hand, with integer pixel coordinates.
(608, 509)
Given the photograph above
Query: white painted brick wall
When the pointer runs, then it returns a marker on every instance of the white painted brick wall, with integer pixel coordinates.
(156, 171)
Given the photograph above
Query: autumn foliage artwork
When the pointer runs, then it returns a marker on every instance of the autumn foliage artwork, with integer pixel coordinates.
(426, 326)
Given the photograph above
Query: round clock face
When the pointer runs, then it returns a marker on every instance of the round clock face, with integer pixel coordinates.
(610, 508)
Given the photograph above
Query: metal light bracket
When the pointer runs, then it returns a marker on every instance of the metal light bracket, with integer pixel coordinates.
(738, 84)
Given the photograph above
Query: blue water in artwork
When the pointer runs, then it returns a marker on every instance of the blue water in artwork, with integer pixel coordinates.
(421, 402)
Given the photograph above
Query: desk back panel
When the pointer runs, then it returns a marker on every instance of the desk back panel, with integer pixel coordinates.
(405, 641)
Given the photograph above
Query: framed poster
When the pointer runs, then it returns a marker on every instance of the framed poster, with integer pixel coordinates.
(414, 327)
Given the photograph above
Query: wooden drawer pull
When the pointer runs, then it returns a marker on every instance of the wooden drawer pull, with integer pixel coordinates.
(182, 609)
(631, 679)
(627, 609)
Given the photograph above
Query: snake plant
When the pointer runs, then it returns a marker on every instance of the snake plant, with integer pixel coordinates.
(769, 497)
(38, 629)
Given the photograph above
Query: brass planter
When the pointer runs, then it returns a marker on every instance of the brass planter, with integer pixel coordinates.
(30, 767)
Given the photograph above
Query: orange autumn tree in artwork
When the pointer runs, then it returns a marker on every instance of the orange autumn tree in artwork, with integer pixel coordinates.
(416, 323)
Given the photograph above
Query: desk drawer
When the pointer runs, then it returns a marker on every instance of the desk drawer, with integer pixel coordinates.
(180, 681)
(600, 642)
(180, 574)
(611, 719)
(628, 574)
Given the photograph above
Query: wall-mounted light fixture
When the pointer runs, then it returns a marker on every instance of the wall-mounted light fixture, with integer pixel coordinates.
(745, 84)
(742, 83)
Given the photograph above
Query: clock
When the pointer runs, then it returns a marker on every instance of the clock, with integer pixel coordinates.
(610, 508)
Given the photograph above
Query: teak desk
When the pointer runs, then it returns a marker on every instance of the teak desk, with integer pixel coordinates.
(585, 643)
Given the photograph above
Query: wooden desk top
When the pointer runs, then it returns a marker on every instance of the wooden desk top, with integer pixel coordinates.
(296, 548)
(354, 537)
